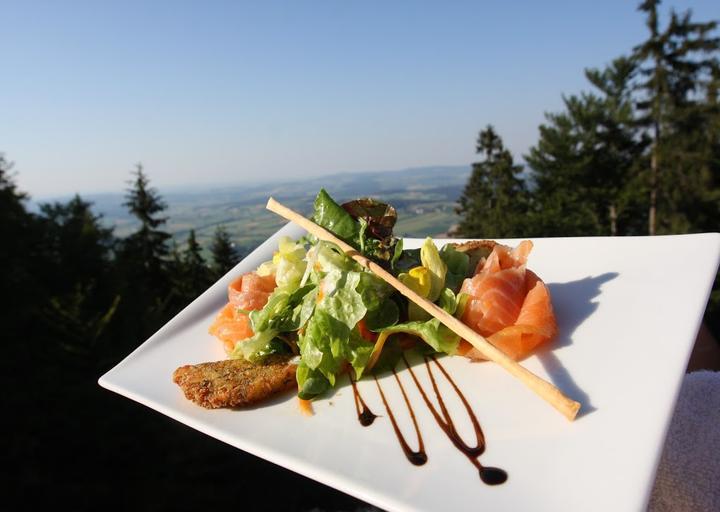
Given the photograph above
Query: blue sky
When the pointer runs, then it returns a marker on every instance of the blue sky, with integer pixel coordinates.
(222, 92)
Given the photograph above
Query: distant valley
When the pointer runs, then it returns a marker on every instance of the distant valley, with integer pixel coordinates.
(424, 197)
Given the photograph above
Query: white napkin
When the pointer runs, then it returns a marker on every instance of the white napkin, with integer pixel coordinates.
(688, 477)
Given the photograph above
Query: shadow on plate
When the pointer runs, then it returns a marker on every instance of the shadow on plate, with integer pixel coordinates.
(573, 303)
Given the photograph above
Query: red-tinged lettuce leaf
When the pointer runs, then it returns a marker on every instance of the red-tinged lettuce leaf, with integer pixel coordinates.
(380, 217)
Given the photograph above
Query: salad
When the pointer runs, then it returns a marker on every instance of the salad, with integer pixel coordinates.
(316, 305)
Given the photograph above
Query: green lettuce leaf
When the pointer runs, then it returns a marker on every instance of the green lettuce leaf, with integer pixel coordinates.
(431, 260)
(431, 332)
(382, 317)
(279, 311)
(410, 258)
(274, 346)
(326, 256)
(358, 351)
(253, 348)
(311, 383)
(457, 266)
(340, 298)
(321, 346)
(366, 224)
(330, 338)
(448, 301)
(288, 263)
(334, 218)
(373, 290)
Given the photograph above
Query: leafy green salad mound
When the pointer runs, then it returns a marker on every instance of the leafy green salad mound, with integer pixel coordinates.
(337, 315)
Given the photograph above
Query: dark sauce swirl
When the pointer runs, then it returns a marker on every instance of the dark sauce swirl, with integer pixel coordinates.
(418, 457)
(364, 414)
(489, 475)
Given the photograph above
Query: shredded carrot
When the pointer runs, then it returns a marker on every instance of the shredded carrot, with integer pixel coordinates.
(366, 333)
(305, 407)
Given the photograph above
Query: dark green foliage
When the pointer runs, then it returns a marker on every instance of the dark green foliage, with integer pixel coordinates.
(678, 64)
(148, 245)
(584, 164)
(495, 201)
(80, 299)
(76, 242)
(194, 276)
(19, 258)
(224, 254)
(143, 262)
(642, 155)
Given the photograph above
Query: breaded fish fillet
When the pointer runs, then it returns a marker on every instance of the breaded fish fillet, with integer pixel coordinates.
(236, 382)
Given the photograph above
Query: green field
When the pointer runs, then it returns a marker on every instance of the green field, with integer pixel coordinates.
(433, 223)
(424, 198)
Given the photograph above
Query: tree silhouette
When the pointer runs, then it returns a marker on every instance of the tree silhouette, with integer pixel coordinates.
(76, 241)
(224, 255)
(143, 261)
(20, 260)
(494, 201)
(78, 274)
(584, 161)
(195, 275)
(676, 64)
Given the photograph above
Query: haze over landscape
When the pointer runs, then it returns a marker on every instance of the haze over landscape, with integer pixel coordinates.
(425, 198)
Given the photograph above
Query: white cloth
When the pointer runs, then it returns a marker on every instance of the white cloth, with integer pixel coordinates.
(688, 477)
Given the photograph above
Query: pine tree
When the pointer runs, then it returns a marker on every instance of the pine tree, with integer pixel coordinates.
(677, 62)
(78, 273)
(149, 243)
(583, 166)
(224, 255)
(143, 260)
(19, 259)
(76, 241)
(558, 168)
(196, 274)
(618, 150)
(494, 202)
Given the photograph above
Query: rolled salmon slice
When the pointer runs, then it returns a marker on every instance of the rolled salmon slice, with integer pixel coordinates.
(251, 282)
(248, 292)
(230, 326)
(508, 304)
(496, 300)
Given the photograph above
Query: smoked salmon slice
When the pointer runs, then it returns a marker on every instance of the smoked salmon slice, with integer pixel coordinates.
(230, 326)
(251, 291)
(508, 304)
(246, 293)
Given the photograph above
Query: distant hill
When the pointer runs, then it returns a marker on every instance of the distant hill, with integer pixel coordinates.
(425, 198)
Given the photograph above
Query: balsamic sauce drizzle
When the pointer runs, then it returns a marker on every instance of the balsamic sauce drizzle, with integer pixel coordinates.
(419, 457)
(364, 414)
(489, 475)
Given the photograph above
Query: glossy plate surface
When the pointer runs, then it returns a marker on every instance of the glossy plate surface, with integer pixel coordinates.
(628, 311)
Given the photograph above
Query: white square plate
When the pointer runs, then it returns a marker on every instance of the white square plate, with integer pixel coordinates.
(628, 311)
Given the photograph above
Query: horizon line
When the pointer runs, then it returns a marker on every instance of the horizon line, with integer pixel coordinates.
(175, 188)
